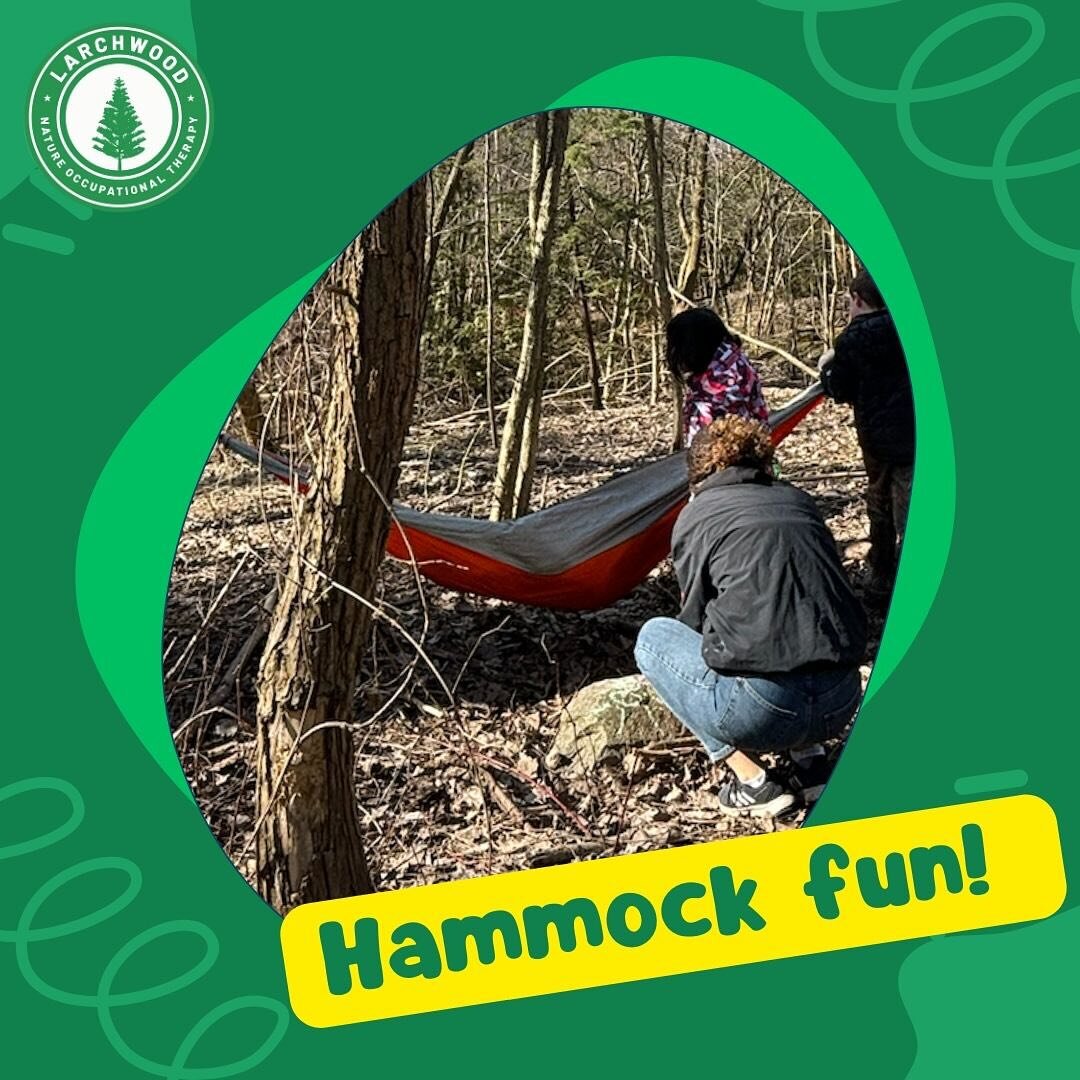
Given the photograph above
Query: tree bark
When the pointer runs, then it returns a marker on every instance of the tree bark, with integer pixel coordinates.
(309, 845)
(691, 261)
(252, 415)
(517, 447)
(489, 297)
(662, 279)
(586, 315)
(442, 204)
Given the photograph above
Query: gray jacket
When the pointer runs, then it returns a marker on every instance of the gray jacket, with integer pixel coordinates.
(761, 579)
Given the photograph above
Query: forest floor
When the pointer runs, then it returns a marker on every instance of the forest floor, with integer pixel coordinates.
(450, 789)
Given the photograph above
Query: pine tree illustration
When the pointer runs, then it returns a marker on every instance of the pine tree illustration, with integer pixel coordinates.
(120, 133)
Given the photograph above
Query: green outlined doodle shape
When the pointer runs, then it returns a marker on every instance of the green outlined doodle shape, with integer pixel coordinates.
(1001, 170)
(907, 94)
(934, 40)
(104, 999)
(781, 133)
(186, 415)
(76, 814)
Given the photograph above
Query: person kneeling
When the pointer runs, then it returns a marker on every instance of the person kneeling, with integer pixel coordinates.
(764, 654)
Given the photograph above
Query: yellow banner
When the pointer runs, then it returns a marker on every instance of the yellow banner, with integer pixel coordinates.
(668, 912)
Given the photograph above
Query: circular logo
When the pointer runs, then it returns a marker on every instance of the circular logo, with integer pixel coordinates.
(119, 117)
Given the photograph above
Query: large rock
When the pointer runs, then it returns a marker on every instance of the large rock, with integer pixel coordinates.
(605, 718)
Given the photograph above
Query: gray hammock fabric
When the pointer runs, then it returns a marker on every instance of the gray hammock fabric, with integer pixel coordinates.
(582, 553)
(552, 540)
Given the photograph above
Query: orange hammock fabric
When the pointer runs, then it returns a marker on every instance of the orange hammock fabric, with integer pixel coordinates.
(581, 554)
(596, 582)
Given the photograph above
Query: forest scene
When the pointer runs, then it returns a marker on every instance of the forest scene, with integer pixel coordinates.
(492, 345)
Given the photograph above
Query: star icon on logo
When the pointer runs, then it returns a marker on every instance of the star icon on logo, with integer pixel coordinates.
(48, 97)
(190, 97)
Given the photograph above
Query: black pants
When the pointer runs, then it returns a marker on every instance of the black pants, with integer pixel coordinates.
(888, 493)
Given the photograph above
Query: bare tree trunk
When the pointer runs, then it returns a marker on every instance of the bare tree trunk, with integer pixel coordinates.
(620, 306)
(530, 439)
(629, 249)
(586, 316)
(691, 261)
(309, 845)
(660, 265)
(662, 279)
(517, 448)
(830, 271)
(252, 415)
(489, 292)
(825, 309)
(441, 205)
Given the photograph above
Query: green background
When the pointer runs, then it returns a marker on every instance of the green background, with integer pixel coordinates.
(128, 944)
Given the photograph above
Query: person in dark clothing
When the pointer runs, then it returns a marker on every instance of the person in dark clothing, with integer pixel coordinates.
(764, 654)
(866, 369)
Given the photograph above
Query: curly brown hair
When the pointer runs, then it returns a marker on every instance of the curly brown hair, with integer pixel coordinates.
(729, 440)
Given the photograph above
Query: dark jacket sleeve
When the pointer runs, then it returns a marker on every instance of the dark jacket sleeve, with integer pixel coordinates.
(840, 376)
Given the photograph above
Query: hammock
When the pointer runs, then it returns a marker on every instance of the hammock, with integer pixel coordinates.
(578, 555)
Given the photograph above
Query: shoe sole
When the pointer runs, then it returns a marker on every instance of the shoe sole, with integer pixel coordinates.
(765, 810)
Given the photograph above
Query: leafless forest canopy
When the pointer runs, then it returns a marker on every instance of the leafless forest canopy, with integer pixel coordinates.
(543, 261)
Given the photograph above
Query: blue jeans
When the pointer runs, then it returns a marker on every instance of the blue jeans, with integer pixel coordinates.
(730, 712)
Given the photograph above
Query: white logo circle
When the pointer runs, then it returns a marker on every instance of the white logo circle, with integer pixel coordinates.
(85, 106)
(119, 117)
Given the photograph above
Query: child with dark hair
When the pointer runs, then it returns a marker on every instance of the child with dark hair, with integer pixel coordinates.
(867, 370)
(765, 653)
(705, 357)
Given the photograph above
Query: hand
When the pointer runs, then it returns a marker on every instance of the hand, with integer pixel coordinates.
(826, 356)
